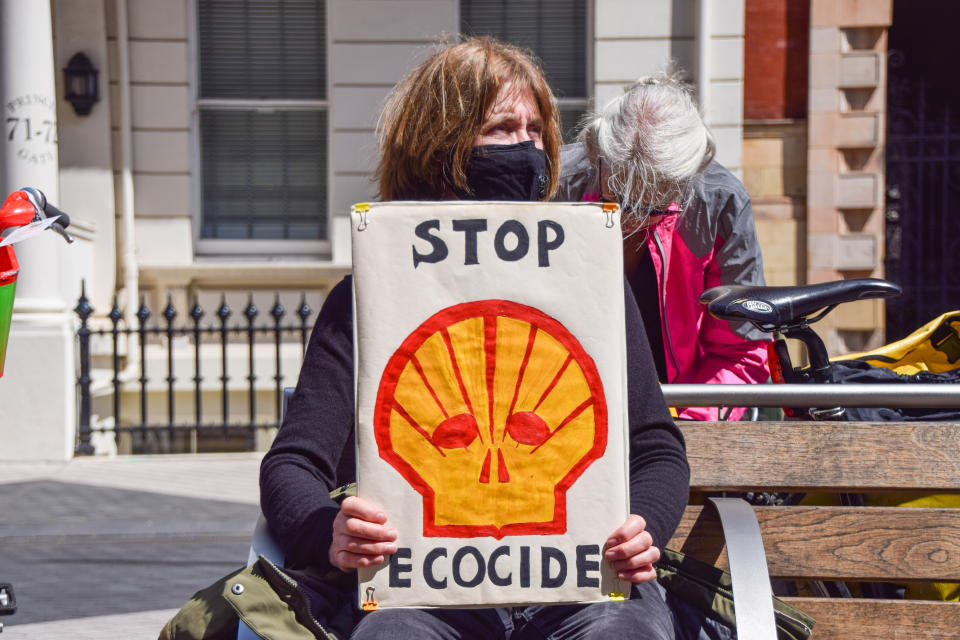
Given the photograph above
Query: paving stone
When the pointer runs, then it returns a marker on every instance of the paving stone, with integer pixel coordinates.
(110, 549)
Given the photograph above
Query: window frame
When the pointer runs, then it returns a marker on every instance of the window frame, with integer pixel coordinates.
(586, 103)
(226, 247)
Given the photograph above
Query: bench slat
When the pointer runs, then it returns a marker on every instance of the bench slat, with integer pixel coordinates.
(839, 619)
(867, 543)
(840, 456)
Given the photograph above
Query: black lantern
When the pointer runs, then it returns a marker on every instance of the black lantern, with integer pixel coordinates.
(80, 81)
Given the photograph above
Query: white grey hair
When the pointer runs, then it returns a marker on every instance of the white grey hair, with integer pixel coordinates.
(653, 142)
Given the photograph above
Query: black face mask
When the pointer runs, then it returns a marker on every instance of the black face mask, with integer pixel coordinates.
(506, 172)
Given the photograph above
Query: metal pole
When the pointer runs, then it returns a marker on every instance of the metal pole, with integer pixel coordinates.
(84, 310)
(169, 313)
(277, 312)
(813, 395)
(223, 312)
(251, 312)
(304, 312)
(196, 313)
(115, 316)
(143, 314)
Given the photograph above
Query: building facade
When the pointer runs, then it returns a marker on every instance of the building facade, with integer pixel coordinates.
(232, 137)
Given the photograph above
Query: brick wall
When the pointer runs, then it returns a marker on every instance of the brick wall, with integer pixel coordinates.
(775, 59)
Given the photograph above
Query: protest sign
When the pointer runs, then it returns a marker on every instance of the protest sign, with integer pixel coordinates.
(491, 387)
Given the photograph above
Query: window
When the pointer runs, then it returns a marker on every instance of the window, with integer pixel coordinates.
(262, 119)
(555, 30)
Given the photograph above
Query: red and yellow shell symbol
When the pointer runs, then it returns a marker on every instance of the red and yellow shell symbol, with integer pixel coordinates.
(491, 410)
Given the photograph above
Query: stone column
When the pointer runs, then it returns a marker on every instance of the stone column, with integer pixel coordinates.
(845, 164)
(37, 390)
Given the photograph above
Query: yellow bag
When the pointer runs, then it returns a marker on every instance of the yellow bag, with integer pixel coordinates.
(934, 347)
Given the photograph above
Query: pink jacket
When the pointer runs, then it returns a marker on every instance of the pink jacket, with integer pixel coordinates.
(713, 242)
(720, 354)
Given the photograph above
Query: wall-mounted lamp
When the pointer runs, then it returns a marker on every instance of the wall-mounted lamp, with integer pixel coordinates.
(80, 81)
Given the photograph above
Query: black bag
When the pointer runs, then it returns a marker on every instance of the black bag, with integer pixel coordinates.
(861, 372)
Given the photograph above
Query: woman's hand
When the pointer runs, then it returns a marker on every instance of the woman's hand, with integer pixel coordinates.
(630, 551)
(361, 537)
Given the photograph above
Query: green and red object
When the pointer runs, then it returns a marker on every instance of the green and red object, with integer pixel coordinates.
(8, 286)
(24, 212)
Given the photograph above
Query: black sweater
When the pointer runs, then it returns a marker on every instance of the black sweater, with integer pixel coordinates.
(313, 452)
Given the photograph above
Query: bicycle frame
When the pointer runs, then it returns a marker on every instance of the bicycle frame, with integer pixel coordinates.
(820, 370)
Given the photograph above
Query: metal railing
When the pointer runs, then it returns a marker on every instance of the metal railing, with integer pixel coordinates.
(153, 433)
(813, 395)
(156, 427)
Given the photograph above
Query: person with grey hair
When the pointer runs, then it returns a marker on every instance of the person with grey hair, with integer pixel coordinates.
(687, 224)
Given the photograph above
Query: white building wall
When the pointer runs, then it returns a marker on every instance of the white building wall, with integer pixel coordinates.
(86, 176)
(724, 108)
(160, 75)
(634, 38)
(373, 44)
(36, 392)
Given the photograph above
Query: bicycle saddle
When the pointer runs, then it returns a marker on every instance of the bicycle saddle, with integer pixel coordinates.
(773, 307)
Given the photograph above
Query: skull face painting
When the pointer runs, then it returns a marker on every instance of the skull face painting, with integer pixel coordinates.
(491, 410)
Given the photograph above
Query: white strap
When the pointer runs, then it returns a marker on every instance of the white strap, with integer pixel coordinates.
(264, 544)
(752, 596)
(244, 632)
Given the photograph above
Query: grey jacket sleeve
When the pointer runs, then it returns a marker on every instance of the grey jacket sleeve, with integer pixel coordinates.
(577, 176)
(731, 219)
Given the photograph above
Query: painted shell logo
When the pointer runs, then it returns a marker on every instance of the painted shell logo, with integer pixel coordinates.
(491, 410)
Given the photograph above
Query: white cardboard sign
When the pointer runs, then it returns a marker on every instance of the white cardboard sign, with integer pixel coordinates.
(491, 413)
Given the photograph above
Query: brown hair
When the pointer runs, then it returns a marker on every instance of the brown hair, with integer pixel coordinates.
(432, 117)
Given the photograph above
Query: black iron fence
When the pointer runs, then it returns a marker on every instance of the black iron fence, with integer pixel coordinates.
(122, 355)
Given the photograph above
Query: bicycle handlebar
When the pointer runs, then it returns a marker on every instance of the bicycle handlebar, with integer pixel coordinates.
(52, 212)
(28, 205)
(63, 221)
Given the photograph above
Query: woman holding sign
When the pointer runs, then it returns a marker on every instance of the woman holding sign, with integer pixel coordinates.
(476, 120)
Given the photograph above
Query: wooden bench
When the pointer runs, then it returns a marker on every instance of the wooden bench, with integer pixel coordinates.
(850, 544)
